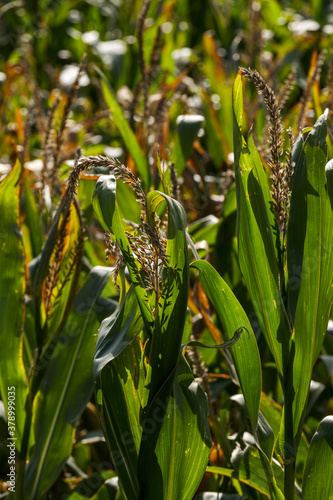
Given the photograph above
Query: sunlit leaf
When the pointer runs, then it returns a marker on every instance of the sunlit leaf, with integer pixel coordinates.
(310, 261)
(232, 316)
(257, 248)
(12, 307)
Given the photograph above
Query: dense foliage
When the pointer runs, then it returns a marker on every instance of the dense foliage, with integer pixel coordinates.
(166, 249)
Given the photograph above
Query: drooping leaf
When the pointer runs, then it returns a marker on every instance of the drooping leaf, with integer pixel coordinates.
(119, 329)
(12, 307)
(248, 470)
(232, 316)
(65, 388)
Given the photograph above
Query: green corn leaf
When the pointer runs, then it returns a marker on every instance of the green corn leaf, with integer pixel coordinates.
(310, 262)
(248, 470)
(182, 445)
(119, 329)
(33, 218)
(119, 390)
(211, 495)
(126, 132)
(245, 352)
(172, 306)
(12, 290)
(65, 282)
(175, 441)
(65, 388)
(107, 211)
(246, 358)
(257, 248)
(318, 477)
(169, 326)
(97, 487)
(153, 414)
(39, 268)
(224, 345)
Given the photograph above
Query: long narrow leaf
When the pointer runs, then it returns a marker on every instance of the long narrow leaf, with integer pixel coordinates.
(119, 329)
(65, 389)
(232, 316)
(172, 307)
(12, 290)
(257, 250)
(318, 477)
(310, 262)
(180, 456)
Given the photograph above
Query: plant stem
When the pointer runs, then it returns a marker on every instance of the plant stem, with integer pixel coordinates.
(289, 442)
(289, 474)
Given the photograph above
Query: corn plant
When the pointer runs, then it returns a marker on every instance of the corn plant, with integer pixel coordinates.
(285, 254)
(153, 413)
(56, 291)
(49, 339)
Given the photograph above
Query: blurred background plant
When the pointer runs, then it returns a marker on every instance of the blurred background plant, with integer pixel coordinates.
(149, 84)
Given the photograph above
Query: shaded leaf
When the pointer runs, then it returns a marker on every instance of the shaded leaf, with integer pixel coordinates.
(182, 444)
(121, 381)
(248, 470)
(119, 329)
(318, 478)
(65, 388)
